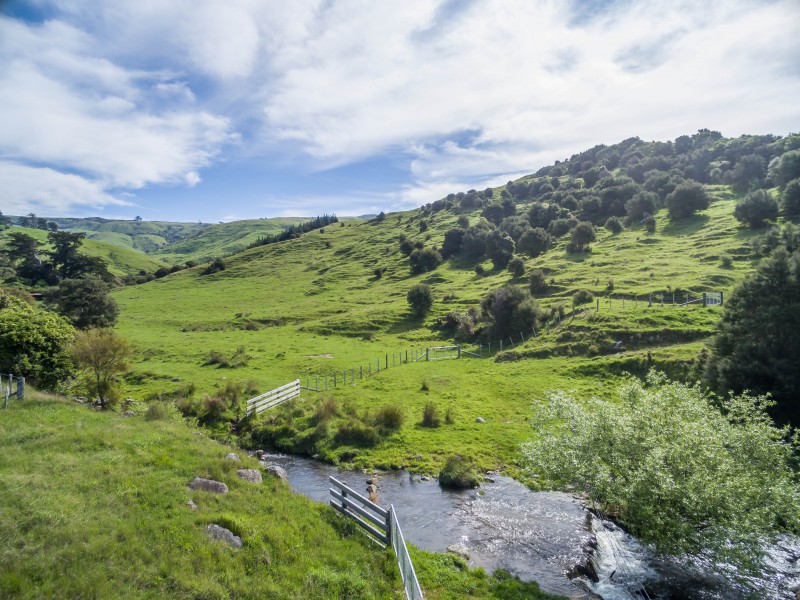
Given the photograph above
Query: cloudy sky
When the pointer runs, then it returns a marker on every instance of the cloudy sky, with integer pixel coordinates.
(205, 110)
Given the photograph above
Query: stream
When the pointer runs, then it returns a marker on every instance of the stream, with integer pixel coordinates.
(546, 537)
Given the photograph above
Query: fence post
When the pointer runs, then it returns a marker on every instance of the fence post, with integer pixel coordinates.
(316, 382)
(361, 372)
(597, 307)
(623, 303)
(334, 379)
(522, 336)
(378, 363)
(459, 352)
(387, 361)
(352, 375)
(501, 344)
(389, 526)
(427, 353)
(406, 356)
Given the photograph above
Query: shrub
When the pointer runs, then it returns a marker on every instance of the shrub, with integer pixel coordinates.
(479, 270)
(216, 265)
(559, 227)
(790, 200)
(238, 359)
(378, 272)
(425, 259)
(424, 387)
(102, 354)
(581, 236)
(420, 299)
(756, 208)
(650, 224)
(449, 417)
(538, 281)
(517, 266)
(406, 247)
(686, 199)
(510, 310)
(423, 226)
(325, 409)
(390, 417)
(155, 412)
(582, 297)
(535, 241)
(459, 472)
(430, 415)
(727, 261)
(614, 225)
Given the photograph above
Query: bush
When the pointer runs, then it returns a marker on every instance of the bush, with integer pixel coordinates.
(102, 354)
(790, 200)
(426, 259)
(535, 241)
(324, 410)
(217, 265)
(378, 272)
(459, 472)
(238, 359)
(538, 281)
(679, 472)
(614, 225)
(430, 415)
(155, 412)
(517, 266)
(581, 236)
(406, 247)
(756, 208)
(582, 297)
(686, 199)
(420, 299)
(510, 310)
(479, 270)
(390, 417)
(650, 224)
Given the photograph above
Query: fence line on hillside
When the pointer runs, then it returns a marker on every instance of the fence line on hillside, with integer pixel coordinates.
(9, 386)
(321, 382)
(273, 397)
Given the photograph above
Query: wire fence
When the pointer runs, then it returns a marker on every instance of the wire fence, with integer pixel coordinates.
(407, 572)
(13, 386)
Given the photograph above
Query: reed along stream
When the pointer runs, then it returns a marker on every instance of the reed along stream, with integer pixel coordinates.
(549, 537)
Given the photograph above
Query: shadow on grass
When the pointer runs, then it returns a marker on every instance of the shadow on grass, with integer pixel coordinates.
(685, 227)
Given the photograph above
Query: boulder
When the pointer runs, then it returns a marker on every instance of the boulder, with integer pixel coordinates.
(277, 471)
(224, 535)
(250, 475)
(208, 485)
(233, 456)
(480, 420)
(459, 550)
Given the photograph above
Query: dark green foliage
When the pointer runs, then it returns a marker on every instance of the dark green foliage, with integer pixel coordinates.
(216, 266)
(537, 281)
(459, 472)
(33, 343)
(378, 272)
(650, 223)
(757, 347)
(420, 299)
(686, 199)
(68, 263)
(86, 302)
(294, 231)
(541, 214)
(237, 359)
(749, 173)
(560, 227)
(430, 415)
(614, 225)
(785, 168)
(535, 242)
(514, 227)
(516, 266)
(356, 433)
(790, 200)
(423, 226)
(639, 207)
(493, 213)
(581, 236)
(426, 259)
(499, 249)
(390, 417)
(463, 221)
(582, 297)
(406, 247)
(509, 311)
(452, 242)
(756, 208)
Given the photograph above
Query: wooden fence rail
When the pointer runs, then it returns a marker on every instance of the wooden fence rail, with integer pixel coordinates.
(273, 397)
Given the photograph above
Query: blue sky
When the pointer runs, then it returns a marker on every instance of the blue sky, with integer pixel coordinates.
(192, 110)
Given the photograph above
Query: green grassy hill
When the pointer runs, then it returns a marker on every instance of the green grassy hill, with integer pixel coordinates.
(95, 505)
(121, 259)
(313, 305)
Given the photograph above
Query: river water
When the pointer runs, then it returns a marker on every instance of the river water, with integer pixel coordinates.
(544, 536)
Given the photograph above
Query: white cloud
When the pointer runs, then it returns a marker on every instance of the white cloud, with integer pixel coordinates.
(48, 192)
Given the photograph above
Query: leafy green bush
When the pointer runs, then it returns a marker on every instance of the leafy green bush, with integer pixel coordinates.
(155, 412)
(216, 265)
(614, 225)
(678, 471)
(420, 299)
(756, 208)
(459, 472)
(356, 433)
(517, 266)
(582, 297)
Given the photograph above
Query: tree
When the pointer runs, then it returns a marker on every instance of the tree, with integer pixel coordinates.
(784, 169)
(86, 302)
(499, 249)
(581, 236)
(65, 256)
(535, 241)
(33, 343)
(102, 354)
(640, 207)
(757, 346)
(21, 247)
(426, 259)
(677, 471)
(582, 297)
(452, 242)
(749, 173)
(686, 199)
(420, 299)
(510, 310)
(756, 208)
(516, 266)
(790, 200)
(614, 225)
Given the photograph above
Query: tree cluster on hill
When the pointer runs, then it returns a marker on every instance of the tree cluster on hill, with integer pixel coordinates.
(77, 285)
(294, 231)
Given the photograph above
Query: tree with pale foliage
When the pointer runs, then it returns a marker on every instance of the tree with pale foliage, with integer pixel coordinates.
(682, 472)
(102, 354)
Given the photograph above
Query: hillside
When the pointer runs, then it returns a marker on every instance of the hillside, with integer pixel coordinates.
(121, 260)
(314, 306)
(95, 505)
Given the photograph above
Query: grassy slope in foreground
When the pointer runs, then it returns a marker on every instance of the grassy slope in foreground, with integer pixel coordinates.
(313, 305)
(93, 505)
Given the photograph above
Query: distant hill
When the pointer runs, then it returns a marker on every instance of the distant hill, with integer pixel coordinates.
(121, 260)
